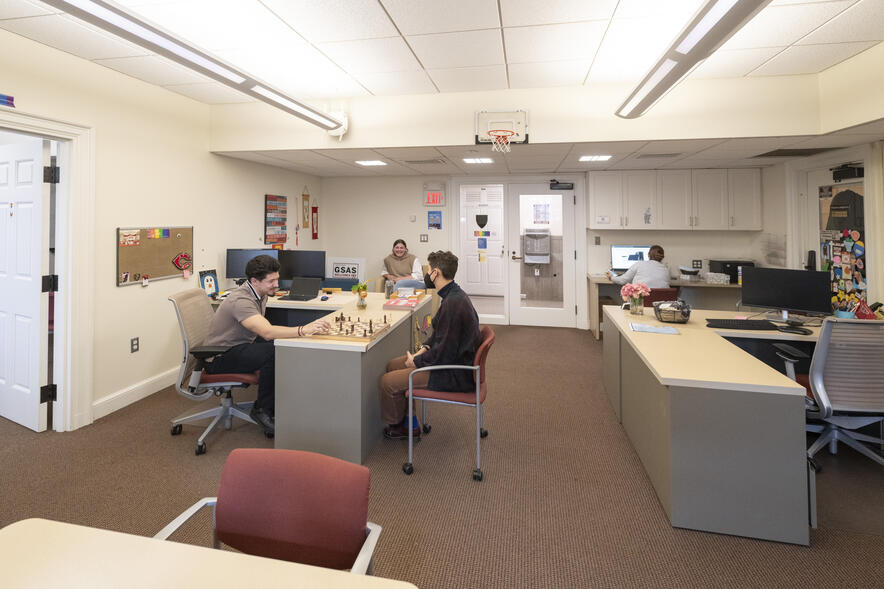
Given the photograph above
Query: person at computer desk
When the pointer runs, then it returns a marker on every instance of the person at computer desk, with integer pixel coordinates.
(455, 340)
(403, 268)
(237, 325)
(651, 272)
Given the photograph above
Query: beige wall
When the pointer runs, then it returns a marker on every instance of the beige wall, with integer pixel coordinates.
(152, 167)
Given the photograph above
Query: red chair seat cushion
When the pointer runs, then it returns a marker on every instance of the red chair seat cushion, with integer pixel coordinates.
(245, 378)
(466, 398)
(804, 380)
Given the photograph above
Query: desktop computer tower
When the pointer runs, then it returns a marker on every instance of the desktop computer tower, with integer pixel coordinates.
(728, 267)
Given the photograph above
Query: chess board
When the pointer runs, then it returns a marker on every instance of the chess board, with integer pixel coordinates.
(358, 327)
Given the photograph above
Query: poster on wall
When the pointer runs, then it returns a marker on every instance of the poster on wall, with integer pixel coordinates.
(842, 243)
(434, 219)
(274, 219)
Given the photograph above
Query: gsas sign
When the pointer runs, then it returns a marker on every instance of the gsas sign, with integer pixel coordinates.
(345, 270)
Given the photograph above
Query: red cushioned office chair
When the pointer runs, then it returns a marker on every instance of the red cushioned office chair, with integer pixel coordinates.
(467, 398)
(292, 505)
(661, 294)
(195, 313)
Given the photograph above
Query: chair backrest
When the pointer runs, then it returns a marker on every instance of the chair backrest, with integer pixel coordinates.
(482, 353)
(660, 294)
(293, 505)
(194, 311)
(847, 369)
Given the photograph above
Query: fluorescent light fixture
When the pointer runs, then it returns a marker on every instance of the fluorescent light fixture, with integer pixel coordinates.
(116, 20)
(478, 160)
(371, 163)
(710, 27)
(594, 158)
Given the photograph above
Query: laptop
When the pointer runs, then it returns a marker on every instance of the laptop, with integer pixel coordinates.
(303, 289)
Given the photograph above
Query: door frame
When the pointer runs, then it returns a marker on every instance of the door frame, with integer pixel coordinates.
(580, 284)
(73, 364)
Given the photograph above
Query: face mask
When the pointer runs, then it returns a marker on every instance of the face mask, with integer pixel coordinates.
(428, 282)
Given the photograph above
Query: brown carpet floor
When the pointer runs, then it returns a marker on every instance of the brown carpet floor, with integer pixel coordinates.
(565, 501)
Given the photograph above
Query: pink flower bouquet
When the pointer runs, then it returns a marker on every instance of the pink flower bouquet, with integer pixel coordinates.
(634, 291)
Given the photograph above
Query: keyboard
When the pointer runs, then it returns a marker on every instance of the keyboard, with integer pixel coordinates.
(755, 324)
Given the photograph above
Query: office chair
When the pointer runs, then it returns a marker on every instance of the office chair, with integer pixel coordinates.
(466, 398)
(194, 312)
(661, 294)
(292, 505)
(846, 372)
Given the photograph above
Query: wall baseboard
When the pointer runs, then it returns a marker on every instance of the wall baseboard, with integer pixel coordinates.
(115, 401)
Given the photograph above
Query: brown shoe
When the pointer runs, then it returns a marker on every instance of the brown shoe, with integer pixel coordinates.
(399, 432)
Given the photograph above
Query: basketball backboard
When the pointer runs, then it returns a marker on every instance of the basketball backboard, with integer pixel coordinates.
(515, 121)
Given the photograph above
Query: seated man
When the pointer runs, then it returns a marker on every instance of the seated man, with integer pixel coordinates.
(239, 321)
(403, 268)
(455, 340)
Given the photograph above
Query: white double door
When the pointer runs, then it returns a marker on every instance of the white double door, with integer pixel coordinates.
(517, 242)
(24, 220)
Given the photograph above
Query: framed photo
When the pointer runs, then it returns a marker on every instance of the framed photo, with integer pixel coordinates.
(209, 282)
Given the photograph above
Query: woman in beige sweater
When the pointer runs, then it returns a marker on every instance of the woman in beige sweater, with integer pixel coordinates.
(402, 268)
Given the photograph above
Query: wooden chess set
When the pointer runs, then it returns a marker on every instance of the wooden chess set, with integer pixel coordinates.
(356, 328)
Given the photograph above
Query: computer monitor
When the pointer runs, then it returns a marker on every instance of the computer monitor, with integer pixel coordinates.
(624, 256)
(237, 259)
(802, 291)
(301, 264)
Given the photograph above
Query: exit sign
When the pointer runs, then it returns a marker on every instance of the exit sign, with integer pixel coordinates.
(434, 195)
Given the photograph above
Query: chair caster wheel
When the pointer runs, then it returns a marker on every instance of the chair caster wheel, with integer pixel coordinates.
(427, 428)
(407, 468)
(176, 429)
(200, 449)
(477, 475)
(483, 432)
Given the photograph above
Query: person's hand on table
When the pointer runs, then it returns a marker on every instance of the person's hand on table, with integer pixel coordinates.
(318, 326)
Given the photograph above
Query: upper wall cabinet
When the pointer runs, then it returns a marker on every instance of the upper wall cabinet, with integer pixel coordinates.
(709, 200)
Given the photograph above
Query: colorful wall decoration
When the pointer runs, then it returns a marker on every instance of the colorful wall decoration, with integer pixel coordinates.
(842, 243)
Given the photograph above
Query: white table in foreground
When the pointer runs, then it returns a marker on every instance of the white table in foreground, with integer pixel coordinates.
(39, 553)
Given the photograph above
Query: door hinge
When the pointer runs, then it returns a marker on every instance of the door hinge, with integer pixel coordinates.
(51, 174)
(50, 283)
(48, 393)
(575, 309)
(575, 254)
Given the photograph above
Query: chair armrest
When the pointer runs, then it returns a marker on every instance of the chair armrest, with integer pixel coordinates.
(363, 560)
(789, 353)
(186, 515)
(204, 352)
(442, 367)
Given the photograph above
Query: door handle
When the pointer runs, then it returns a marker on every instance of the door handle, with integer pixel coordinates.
(517, 257)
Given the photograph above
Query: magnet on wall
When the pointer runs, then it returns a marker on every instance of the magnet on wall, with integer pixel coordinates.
(855, 235)
(481, 220)
(837, 270)
(836, 259)
(859, 264)
(848, 244)
(859, 249)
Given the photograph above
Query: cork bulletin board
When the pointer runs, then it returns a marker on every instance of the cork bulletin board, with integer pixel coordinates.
(153, 253)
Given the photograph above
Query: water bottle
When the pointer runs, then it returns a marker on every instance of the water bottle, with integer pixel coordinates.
(388, 288)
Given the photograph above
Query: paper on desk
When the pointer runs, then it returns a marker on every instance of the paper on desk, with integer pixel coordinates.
(653, 328)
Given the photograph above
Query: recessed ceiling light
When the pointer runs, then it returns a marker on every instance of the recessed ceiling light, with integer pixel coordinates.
(594, 158)
(371, 163)
(478, 160)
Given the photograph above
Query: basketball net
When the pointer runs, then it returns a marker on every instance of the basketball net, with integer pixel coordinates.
(500, 139)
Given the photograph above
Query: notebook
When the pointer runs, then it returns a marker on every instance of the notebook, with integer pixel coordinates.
(303, 289)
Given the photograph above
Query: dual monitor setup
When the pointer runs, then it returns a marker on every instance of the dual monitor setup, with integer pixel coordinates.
(801, 291)
(304, 269)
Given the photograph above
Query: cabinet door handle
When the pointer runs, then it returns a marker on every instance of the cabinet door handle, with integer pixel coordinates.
(732, 221)
(627, 222)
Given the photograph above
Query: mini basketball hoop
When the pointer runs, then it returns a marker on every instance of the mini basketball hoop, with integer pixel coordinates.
(501, 139)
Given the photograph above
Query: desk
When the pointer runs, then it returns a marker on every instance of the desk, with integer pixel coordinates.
(327, 398)
(719, 433)
(724, 293)
(39, 553)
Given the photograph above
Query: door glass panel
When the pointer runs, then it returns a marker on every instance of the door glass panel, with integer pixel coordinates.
(540, 230)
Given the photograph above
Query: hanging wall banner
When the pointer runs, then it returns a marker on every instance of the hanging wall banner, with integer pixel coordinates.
(275, 207)
(314, 213)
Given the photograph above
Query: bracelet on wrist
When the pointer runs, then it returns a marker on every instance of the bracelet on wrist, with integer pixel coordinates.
(300, 332)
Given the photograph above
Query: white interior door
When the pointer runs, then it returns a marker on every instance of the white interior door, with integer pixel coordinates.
(541, 255)
(481, 240)
(23, 306)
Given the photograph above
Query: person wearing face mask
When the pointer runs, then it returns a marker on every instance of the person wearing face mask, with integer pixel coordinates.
(403, 268)
(455, 340)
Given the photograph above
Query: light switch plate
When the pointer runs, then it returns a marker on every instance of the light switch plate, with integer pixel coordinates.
(424, 238)
(696, 264)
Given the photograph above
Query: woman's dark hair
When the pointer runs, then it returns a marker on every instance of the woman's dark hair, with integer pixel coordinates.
(656, 253)
(398, 241)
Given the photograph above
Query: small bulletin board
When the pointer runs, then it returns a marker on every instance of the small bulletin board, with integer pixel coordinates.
(153, 253)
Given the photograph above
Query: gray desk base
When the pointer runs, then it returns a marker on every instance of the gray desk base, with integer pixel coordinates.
(327, 401)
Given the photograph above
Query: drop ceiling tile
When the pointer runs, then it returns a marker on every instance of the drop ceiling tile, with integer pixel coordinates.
(23, 8)
(748, 147)
(154, 70)
(334, 20)
(777, 26)
(402, 154)
(452, 50)
(397, 83)
(681, 146)
(606, 148)
(419, 17)
(810, 59)
(688, 163)
(349, 156)
(371, 56)
(516, 13)
(836, 140)
(682, 9)
(67, 34)
(470, 79)
(435, 169)
(554, 42)
(735, 63)
(548, 74)
(864, 21)
(211, 93)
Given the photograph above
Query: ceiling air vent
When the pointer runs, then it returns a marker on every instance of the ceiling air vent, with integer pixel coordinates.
(433, 162)
(794, 152)
(657, 156)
